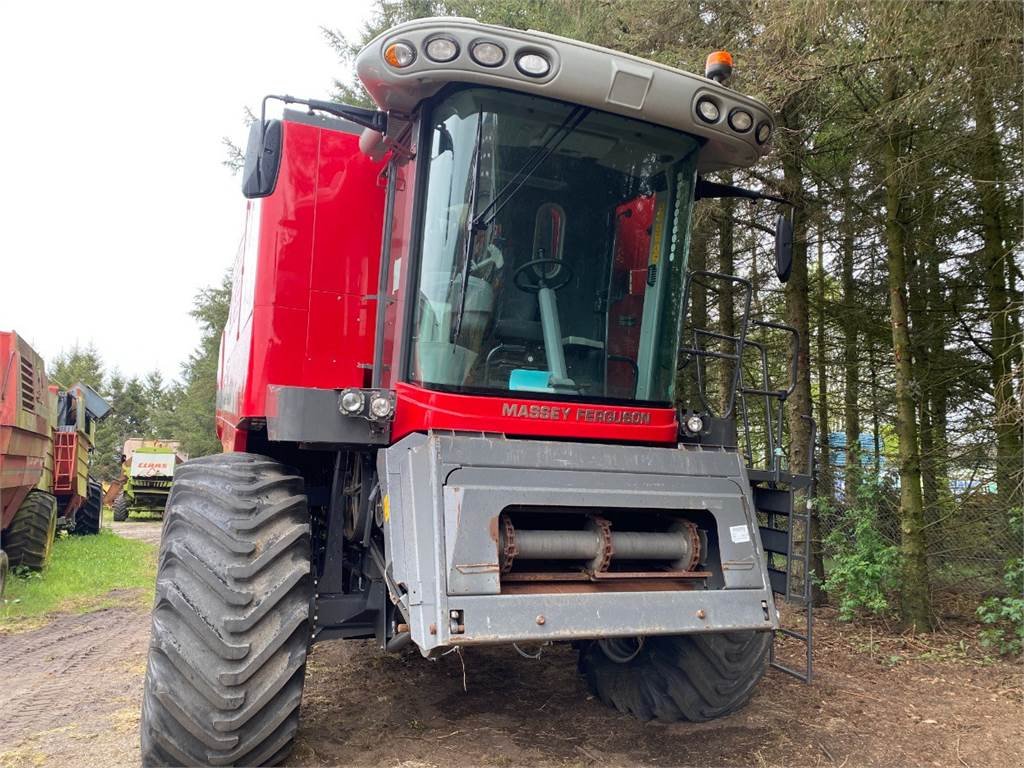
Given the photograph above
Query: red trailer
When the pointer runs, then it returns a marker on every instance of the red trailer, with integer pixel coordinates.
(448, 396)
(46, 442)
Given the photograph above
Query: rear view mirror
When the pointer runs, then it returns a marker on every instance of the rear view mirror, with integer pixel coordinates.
(783, 248)
(262, 159)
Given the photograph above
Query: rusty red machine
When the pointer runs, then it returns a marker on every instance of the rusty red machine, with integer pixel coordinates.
(464, 400)
(47, 437)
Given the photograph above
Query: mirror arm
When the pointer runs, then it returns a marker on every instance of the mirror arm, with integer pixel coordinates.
(711, 189)
(368, 118)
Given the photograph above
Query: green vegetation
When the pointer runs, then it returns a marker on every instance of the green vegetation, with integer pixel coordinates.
(85, 573)
(863, 567)
(1004, 616)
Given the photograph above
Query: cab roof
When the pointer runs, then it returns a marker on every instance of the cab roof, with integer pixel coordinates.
(580, 73)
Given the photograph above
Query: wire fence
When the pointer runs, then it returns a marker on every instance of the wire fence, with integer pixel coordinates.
(969, 529)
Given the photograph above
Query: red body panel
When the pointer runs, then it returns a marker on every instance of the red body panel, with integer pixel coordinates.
(419, 410)
(302, 308)
(303, 312)
(24, 422)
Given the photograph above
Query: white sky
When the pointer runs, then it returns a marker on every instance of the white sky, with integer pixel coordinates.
(114, 206)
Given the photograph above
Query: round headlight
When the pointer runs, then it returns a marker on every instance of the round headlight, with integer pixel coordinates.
(351, 401)
(380, 406)
(487, 54)
(708, 111)
(740, 120)
(441, 49)
(400, 54)
(764, 132)
(533, 64)
(694, 424)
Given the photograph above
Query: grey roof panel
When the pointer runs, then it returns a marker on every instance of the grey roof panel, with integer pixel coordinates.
(580, 73)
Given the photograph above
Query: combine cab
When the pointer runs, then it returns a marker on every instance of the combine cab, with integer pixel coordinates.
(146, 475)
(46, 443)
(462, 396)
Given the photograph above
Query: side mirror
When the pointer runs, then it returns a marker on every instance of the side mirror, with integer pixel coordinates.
(262, 159)
(783, 248)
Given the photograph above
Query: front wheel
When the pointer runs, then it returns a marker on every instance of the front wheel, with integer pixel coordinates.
(121, 507)
(230, 631)
(89, 516)
(678, 677)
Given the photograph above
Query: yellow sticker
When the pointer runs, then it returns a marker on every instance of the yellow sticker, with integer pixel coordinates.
(387, 508)
(657, 228)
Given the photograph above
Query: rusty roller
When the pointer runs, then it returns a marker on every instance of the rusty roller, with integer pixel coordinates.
(598, 545)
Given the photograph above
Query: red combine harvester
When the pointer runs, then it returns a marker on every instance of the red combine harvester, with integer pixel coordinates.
(46, 442)
(463, 398)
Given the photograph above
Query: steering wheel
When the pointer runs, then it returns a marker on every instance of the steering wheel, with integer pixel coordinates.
(519, 277)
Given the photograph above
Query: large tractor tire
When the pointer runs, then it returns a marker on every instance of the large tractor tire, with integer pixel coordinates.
(679, 677)
(121, 507)
(29, 538)
(89, 516)
(227, 653)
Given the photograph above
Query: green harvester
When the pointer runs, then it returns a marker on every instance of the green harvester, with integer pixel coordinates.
(147, 471)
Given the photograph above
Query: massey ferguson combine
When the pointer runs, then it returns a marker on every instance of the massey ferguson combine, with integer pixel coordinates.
(464, 399)
(46, 443)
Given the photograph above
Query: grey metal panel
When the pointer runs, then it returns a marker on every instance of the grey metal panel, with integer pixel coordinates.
(512, 618)
(485, 492)
(306, 415)
(443, 494)
(581, 73)
(94, 402)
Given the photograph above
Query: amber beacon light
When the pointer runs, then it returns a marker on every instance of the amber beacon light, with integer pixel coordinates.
(718, 66)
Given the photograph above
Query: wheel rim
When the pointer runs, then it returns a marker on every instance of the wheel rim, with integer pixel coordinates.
(621, 649)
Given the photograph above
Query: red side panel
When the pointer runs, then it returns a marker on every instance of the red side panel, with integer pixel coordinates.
(420, 410)
(24, 422)
(302, 313)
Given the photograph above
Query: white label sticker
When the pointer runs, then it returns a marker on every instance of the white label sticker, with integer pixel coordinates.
(739, 533)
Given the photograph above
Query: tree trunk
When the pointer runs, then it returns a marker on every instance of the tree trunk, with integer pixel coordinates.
(914, 589)
(800, 450)
(826, 486)
(987, 168)
(851, 355)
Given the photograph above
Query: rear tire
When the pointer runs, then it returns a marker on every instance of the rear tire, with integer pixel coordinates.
(680, 677)
(230, 632)
(89, 516)
(121, 507)
(29, 538)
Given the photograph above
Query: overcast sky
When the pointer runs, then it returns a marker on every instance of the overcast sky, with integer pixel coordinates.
(114, 206)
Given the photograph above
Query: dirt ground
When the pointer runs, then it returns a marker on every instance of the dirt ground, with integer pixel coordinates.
(70, 691)
(143, 530)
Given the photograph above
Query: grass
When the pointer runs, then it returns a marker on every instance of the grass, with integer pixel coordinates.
(85, 573)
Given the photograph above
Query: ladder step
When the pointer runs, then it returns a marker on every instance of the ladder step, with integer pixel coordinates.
(775, 540)
(773, 500)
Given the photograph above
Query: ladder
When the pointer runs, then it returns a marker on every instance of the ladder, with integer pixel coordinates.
(795, 554)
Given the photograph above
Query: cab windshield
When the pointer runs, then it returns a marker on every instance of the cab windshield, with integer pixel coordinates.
(554, 249)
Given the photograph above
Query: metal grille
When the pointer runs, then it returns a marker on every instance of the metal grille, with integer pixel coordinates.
(29, 398)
